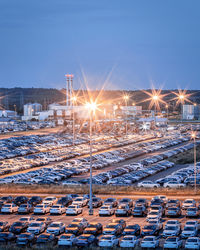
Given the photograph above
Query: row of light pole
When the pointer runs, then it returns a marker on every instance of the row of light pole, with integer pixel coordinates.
(92, 106)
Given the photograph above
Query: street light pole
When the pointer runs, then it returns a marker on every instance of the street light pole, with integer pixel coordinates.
(90, 201)
(195, 167)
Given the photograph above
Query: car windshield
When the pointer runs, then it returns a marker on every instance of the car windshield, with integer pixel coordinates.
(24, 205)
(23, 236)
(7, 205)
(109, 200)
(92, 226)
(39, 206)
(131, 227)
(189, 228)
(105, 208)
(3, 235)
(170, 228)
(54, 225)
(56, 207)
(111, 226)
(172, 201)
(48, 199)
(192, 209)
(192, 240)
(172, 209)
(106, 238)
(128, 238)
(148, 239)
(73, 225)
(191, 222)
(188, 201)
(17, 224)
(72, 207)
(153, 213)
(65, 237)
(149, 227)
(35, 225)
(171, 239)
(83, 237)
(1, 223)
(44, 236)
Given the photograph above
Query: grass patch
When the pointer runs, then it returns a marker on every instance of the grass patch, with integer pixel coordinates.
(186, 157)
(43, 190)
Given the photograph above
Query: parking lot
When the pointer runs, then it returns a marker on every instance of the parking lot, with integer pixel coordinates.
(156, 214)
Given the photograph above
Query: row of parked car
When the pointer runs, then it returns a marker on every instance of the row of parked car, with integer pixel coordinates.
(117, 233)
(27, 152)
(66, 169)
(15, 126)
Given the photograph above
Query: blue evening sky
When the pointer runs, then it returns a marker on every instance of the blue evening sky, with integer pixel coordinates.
(124, 44)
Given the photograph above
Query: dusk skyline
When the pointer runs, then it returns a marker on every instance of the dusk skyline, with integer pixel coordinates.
(132, 44)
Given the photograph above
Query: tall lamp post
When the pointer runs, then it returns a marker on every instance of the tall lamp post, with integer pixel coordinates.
(195, 160)
(91, 106)
(126, 97)
(74, 99)
(155, 100)
(181, 98)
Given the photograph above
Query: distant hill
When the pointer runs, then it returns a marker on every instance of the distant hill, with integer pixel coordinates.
(20, 96)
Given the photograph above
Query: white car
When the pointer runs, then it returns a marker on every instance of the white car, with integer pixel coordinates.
(192, 243)
(36, 227)
(28, 219)
(9, 208)
(82, 221)
(194, 223)
(106, 210)
(41, 209)
(156, 222)
(50, 200)
(81, 201)
(173, 223)
(56, 228)
(74, 210)
(149, 242)
(129, 241)
(57, 209)
(188, 203)
(148, 184)
(172, 242)
(189, 231)
(108, 241)
(154, 215)
(173, 184)
(67, 240)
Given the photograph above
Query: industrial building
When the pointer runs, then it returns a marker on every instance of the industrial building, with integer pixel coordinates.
(190, 112)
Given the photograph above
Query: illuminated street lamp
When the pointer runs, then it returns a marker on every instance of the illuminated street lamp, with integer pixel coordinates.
(167, 106)
(155, 100)
(126, 98)
(74, 99)
(193, 136)
(91, 106)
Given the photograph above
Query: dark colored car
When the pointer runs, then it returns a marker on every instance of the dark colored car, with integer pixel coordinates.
(85, 240)
(111, 201)
(74, 228)
(26, 239)
(132, 230)
(173, 212)
(120, 221)
(149, 230)
(141, 201)
(4, 226)
(94, 228)
(20, 200)
(65, 201)
(46, 238)
(6, 237)
(126, 201)
(6, 199)
(18, 227)
(157, 201)
(35, 200)
(139, 210)
(96, 202)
